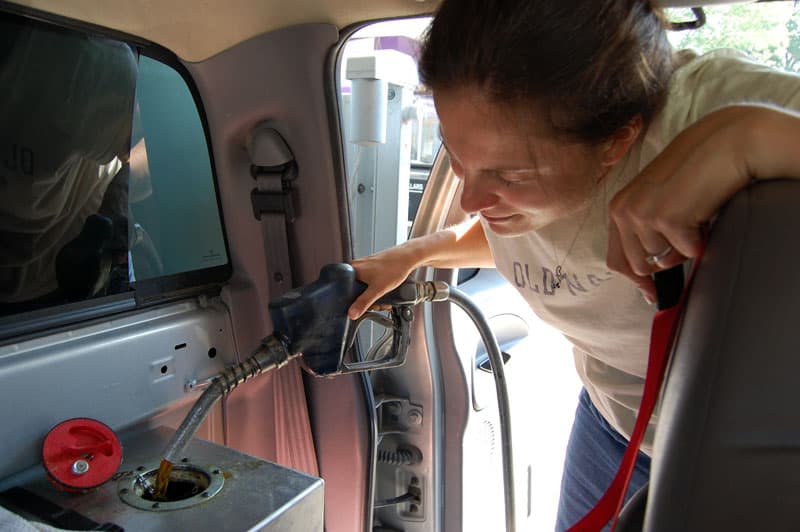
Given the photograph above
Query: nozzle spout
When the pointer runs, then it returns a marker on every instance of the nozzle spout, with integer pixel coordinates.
(271, 354)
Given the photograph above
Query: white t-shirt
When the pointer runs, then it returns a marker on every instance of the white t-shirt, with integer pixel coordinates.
(602, 313)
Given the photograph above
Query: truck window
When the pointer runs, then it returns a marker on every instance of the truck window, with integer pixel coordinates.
(107, 191)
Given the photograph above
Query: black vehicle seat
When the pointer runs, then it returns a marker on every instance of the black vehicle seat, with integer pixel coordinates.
(727, 448)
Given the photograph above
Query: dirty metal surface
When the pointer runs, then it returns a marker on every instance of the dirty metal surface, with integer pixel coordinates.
(255, 495)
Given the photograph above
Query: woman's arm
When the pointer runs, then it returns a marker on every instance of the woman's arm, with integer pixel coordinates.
(684, 186)
(461, 246)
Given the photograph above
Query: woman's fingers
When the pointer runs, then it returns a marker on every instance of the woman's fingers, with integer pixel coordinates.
(657, 218)
(381, 274)
(658, 215)
(364, 302)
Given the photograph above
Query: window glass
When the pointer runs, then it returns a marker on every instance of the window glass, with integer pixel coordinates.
(106, 184)
(173, 199)
(390, 130)
(767, 32)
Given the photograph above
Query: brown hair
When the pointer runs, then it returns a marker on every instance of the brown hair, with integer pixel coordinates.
(593, 64)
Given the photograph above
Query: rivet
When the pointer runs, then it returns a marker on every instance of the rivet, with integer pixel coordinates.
(79, 467)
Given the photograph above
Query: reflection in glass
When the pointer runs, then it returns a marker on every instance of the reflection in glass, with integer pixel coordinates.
(106, 183)
(66, 111)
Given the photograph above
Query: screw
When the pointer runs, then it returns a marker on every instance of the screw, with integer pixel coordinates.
(361, 188)
(80, 467)
(278, 277)
(206, 495)
(415, 417)
(155, 505)
(123, 491)
(414, 481)
(392, 94)
(184, 460)
(216, 471)
(413, 508)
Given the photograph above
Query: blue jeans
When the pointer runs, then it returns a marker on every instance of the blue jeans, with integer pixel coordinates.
(594, 452)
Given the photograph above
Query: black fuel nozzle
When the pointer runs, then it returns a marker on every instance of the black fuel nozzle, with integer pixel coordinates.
(313, 321)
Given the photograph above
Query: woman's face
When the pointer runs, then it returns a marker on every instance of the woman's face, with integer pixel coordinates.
(516, 176)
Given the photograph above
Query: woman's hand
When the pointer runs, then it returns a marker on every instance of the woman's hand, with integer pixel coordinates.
(656, 220)
(381, 272)
(460, 246)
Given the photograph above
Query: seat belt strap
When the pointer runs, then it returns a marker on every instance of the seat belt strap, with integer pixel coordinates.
(665, 325)
(273, 205)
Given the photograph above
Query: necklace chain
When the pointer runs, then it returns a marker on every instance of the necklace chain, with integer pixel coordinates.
(559, 274)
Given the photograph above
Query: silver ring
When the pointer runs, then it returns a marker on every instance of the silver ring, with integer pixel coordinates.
(655, 259)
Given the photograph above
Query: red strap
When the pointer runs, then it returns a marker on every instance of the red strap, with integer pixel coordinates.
(665, 323)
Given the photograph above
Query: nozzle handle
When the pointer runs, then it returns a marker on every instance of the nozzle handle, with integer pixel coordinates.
(313, 318)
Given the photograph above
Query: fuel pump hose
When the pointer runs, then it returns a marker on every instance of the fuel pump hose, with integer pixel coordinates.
(461, 300)
(271, 354)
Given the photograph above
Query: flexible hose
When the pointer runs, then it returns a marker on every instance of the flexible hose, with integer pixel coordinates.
(504, 410)
(271, 354)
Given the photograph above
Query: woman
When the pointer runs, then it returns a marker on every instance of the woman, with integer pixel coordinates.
(592, 154)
